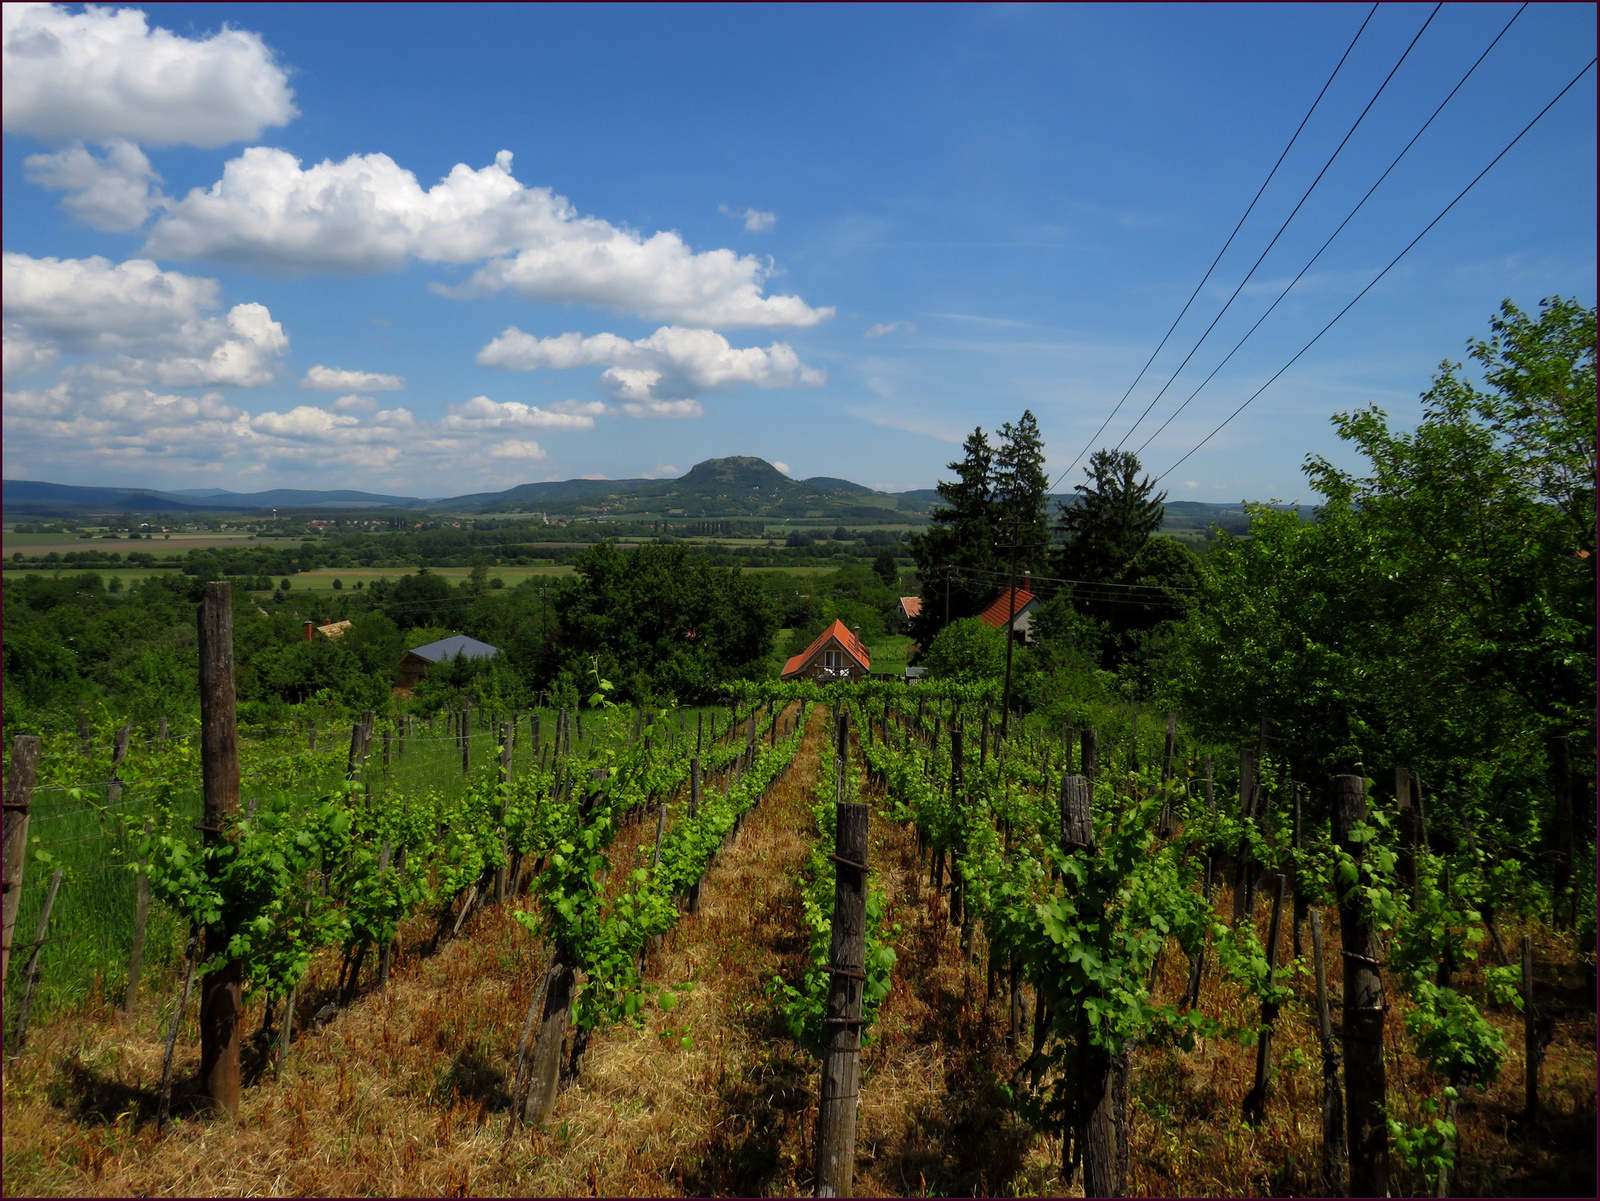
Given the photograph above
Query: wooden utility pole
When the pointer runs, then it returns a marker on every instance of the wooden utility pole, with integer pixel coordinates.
(1363, 1010)
(19, 798)
(841, 1031)
(220, 1001)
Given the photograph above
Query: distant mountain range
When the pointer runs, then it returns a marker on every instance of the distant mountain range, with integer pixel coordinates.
(739, 486)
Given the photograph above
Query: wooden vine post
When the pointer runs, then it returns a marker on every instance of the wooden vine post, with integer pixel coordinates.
(1368, 1139)
(841, 1030)
(220, 1000)
(20, 779)
(1255, 1103)
(694, 813)
(1102, 1125)
(1335, 1155)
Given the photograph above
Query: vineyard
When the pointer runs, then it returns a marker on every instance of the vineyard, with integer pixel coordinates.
(860, 939)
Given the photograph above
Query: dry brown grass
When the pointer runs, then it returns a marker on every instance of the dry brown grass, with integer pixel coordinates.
(405, 1093)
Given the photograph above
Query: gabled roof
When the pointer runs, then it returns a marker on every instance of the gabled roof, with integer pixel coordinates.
(458, 645)
(334, 629)
(995, 614)
(911, 606)
(839, 631)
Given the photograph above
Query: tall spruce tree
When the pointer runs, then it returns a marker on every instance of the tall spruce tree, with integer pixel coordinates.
(1022, 496)
(1113, 519)
(1123, 577)
(955, 556)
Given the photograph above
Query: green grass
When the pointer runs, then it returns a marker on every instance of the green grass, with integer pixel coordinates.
(322, 579)
(128, 575)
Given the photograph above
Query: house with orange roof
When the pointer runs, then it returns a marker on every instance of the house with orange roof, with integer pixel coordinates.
(837, 654)
(1019, 604)
(910, 606)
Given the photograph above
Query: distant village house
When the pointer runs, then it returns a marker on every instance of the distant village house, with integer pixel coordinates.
(1020, 609)
(837, 654)
(416, 662)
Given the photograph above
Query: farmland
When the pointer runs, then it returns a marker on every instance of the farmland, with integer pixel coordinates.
(1262, 873)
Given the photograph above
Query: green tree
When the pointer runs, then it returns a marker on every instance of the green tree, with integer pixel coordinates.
(955, 555)
(1440, 612)
(888, 570)
(1022, 496)
(1113, 519)
(967, 651)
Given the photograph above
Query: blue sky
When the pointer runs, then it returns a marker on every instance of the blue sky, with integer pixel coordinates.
(836, 237)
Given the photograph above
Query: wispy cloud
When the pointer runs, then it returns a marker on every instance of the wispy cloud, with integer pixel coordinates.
(911, 423)
(997, 322)
(756, 221)
(891, 327)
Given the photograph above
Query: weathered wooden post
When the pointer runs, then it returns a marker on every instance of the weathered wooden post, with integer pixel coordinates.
(220, 1000)
(1363, 1009)
(500, 873)
(1103, 1084)
(466, 739)
(141, 916)
(694, 813)
(1255, 1103)
(1532, 1046)
(119, 752)
(1090, 755)
(1243, 867)
(841, 1031)
(24, 770)
(544, 1076)
(1335, 1154)
(1300, 900)
(31, 970)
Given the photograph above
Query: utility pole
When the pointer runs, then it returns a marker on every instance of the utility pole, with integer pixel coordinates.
(1011, 615)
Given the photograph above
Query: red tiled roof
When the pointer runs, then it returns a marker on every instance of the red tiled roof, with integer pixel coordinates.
(995, 614)
(912, 605)
(839, 631)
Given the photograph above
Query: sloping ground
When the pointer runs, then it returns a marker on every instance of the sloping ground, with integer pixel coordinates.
(406, 1093)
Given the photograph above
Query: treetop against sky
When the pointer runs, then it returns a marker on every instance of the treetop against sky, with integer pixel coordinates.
(440, 249)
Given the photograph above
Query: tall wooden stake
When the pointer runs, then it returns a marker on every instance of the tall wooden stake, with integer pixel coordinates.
(20, 778)
(220, 1000)
(1335, 1155)
(1363, 1011)
(841, 1055)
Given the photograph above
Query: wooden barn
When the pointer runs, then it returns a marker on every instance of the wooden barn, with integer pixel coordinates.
(837, 654)
(416, 662)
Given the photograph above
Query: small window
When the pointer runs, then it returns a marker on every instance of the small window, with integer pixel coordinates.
(831, 659)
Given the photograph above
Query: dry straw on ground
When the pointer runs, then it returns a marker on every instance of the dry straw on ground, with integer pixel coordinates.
(406, 1092)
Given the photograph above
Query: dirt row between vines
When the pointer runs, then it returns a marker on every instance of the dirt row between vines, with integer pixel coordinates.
(407, 1092)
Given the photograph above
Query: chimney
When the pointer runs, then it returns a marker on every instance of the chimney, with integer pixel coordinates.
(310, 630)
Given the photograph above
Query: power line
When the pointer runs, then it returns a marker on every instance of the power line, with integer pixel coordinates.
(1286, 221)
(1385, 271)
(1331, 237)
(1248, 210)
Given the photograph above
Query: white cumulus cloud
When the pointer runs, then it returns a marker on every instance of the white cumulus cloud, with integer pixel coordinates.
(334, 379)
(104, 73)
(515, 448)
(354, 404)
(114, 193)
(665, 408)
(783, 467)
(755, 220)
(142, 324)
(481, 413)
(367, 213)
(673, 363)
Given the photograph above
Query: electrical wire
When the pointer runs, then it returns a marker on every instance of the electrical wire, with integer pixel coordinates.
(1248, 210)
(1382, 273)
(1326, 244)
(1286, 221)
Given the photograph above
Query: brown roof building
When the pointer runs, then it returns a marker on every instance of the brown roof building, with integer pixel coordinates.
(837, 654)
(1021, 607)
